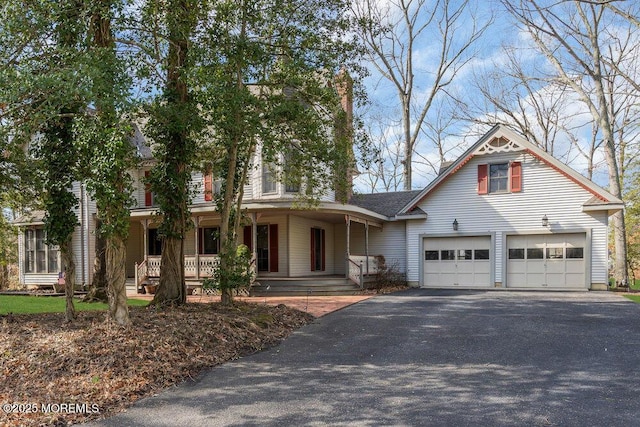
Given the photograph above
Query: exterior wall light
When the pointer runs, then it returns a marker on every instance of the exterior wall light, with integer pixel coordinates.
(545, 221)
(455, 225)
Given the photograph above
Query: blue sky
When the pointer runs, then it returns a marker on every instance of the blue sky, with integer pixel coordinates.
(487, 56)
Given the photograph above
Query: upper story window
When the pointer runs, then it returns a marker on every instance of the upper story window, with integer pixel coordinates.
(211, 186)
(290, 185)
(149, 197)
(40, 257)
(268, 178)
(500, 178)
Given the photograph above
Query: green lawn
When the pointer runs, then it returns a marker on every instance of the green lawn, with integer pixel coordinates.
(634, 298)
(25, 304)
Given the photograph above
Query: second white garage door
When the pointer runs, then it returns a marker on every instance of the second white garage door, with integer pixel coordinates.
(457, 261)
(546, 261)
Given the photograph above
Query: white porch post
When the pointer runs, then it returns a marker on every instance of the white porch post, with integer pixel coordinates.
(366, 244)
(254, 238)
(196, 221)
(145, 238)
(348, 221)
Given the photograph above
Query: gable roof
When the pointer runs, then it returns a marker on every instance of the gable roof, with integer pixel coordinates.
(511, 141)
(387, 204)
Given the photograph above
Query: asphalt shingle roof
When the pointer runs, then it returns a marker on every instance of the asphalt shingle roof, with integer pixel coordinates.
(387, 204)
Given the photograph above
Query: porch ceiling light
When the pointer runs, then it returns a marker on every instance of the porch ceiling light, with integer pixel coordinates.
(545, 221)
(455, 225)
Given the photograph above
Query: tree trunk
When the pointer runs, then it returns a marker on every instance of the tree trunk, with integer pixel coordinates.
(98, 289)
(116, 277)
(171, 289)
(69, 267)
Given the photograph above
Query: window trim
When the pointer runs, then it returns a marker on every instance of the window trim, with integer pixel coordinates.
(46, 251)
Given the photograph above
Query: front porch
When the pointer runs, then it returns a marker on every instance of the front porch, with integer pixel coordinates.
(296, 252)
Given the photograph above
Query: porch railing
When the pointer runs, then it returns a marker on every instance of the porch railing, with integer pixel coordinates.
(140, 273)
(369, 264)
(203, 267)
(356, 273)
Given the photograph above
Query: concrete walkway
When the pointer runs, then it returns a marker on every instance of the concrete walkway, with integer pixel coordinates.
(317, 306)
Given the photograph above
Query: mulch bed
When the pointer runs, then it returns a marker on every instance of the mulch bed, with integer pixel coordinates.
(57, 373)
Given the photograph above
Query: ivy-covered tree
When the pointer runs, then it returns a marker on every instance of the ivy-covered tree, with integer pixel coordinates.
(104, 135)
(172, 126)
(267, 84)
(43, 90)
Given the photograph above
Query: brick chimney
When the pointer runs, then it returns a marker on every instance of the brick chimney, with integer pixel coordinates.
(344, 132)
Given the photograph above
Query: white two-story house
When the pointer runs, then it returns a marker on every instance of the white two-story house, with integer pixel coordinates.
(504, 215)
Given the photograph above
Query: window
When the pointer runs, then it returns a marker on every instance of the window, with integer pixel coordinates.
(431, 256)
(516, 253)
(481, 254)
(535, 253)
(575, 253)
(208, 240)
(448, 255)
(148, 194)
(211, 186)
(291, 184)
(464, 254)
(40, 257)
(554, 253)
(268, 178)
(498, 177)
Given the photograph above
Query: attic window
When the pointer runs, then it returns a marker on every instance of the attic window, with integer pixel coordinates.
(500, 178)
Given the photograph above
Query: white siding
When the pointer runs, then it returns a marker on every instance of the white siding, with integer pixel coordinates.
(545, 191)
(300, 238)
(390, 242)
(83, 240)
(339, 248)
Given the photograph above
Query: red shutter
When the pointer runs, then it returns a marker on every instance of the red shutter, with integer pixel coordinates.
(483, 179)
(322, 249)
(273, 248)
(148, 197)
(248, 238)
(313, 250)
(516, 177)
(208, 187)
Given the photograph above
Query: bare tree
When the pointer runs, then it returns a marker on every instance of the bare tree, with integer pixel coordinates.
(384, 171)
(392, 33)
(573, 38)
(518, 95)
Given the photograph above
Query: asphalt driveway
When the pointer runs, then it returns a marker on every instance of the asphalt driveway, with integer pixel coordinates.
(429, 358)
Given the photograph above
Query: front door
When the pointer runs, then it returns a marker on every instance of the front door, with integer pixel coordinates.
(266, 246)
(262, 248)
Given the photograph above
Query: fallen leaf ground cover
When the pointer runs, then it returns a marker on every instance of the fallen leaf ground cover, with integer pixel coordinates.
(57, 373)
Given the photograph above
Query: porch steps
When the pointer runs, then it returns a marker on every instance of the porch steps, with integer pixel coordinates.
(303, 286)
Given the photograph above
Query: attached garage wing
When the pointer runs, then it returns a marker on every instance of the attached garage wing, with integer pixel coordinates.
(550, 261)
(457, 262)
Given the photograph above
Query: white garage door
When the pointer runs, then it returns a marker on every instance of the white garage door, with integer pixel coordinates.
(553, 261)
(457, 261)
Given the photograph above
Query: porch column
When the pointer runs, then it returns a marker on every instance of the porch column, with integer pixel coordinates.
(145, 237)
(196, 222)
(254, 239)
(347, 218)
(366, 243)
